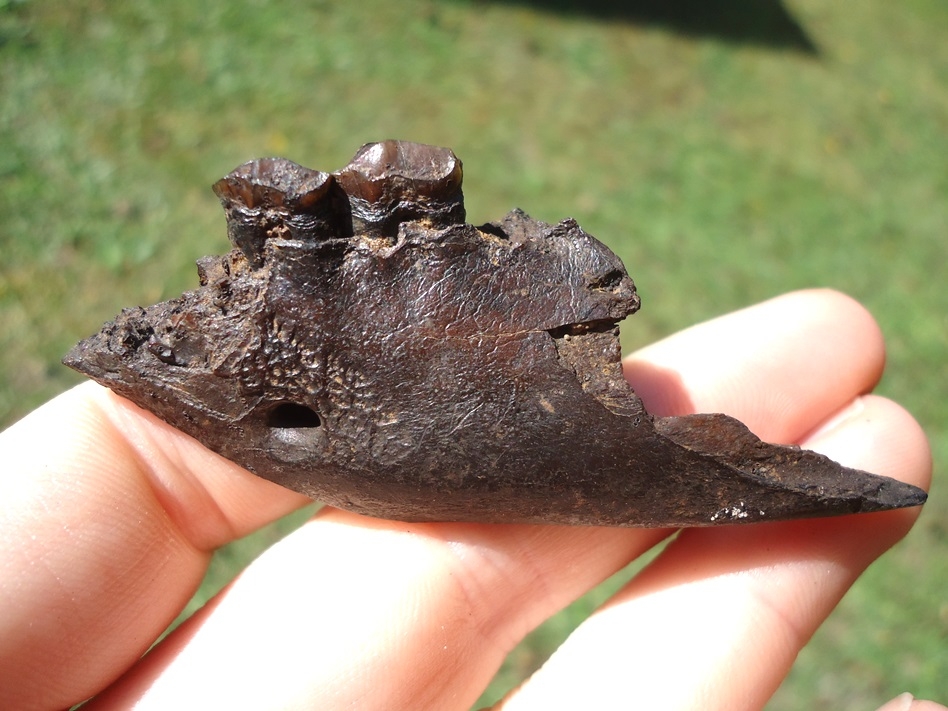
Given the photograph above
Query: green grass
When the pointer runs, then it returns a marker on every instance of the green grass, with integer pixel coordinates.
(723, 172)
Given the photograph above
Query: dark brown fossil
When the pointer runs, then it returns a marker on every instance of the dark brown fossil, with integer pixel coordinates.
(365, 346)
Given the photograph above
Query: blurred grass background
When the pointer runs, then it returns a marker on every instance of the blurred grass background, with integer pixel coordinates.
(727, 151)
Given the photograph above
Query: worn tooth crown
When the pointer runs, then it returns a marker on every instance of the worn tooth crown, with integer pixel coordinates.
(397, 181)
(276, 198)
(384, 184)
(273, 183)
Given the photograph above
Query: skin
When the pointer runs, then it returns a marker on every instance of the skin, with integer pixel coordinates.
(107, 527)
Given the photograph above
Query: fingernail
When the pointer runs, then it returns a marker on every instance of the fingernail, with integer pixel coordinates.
(840, 418)
(902, 702)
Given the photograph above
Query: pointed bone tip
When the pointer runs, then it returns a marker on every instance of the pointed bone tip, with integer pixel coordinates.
(73, 359)
(892, 494)
(83, 358)
(876, 493)
(814, 483)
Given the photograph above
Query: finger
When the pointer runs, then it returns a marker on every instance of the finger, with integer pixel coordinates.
(393, 615)
(718, 618)
(906, 702)
(109, 517)
(351, 612)
(758, 366)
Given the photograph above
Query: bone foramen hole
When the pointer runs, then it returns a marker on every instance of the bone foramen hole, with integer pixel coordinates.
(289, 415)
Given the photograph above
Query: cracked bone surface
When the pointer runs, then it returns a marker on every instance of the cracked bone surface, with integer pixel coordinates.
(365, 346)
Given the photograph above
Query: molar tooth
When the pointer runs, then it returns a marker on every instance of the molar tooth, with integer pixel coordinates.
(271, 197)
(398, 181)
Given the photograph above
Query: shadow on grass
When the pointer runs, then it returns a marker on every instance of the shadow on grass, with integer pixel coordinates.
(764, 22)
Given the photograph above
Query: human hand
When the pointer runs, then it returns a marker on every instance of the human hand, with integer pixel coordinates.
(108, 518)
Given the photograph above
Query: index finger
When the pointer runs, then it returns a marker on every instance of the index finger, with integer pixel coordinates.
(109, 517)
